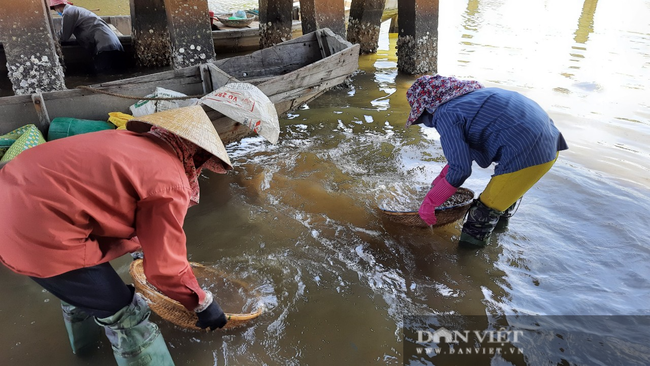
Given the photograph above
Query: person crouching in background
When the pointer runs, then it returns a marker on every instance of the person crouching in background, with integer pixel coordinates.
(93, 34)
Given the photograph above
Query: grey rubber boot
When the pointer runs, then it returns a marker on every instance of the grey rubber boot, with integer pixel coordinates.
(479, 224)
(83, 332)
(136, 340)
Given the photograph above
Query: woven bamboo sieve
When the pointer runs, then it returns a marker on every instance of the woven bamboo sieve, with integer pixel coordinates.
(445, 214)
(171, 310)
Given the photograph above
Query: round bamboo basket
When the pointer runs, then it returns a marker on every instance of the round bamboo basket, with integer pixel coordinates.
(449, 212)
(172, 310)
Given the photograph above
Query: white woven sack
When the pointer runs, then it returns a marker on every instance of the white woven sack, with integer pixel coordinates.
(248, 105)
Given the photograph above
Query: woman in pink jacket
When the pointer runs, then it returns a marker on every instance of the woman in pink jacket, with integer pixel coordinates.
(69, 206)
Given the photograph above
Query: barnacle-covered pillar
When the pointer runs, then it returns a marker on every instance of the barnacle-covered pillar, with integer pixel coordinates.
(149, 33)
(275, 21)
(190, 32)
(417, 42)
(30, 48)
(317, 14)
(364, 23)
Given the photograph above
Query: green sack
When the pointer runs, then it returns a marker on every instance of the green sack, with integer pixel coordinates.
(19, 140)
(61, 127)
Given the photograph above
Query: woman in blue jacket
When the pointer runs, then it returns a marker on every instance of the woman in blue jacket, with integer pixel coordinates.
(485, 125)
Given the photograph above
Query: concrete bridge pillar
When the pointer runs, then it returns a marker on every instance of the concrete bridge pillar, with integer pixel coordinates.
(317, 14)
(417, 42)
(190, 32)
(31, 50)
(364, 23)
(275, 21)
(149, 33)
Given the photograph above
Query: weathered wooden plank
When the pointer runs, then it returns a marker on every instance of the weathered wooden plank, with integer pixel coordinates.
(16, 111)
(321, 47)
(308, 92)
(325, 42)
(15, 100)
(41, 111)
(228, 129)
(335, 42)
(206, 80)
(281, 58)
(256, 81)
(292, 104)
(159, 76)
(219, 77)
(271, 61)
(316, 73)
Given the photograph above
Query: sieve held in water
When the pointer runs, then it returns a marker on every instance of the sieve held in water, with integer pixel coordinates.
(174, 312)
(452, 210)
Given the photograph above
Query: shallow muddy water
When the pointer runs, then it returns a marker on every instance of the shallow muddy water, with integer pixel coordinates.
(299, 221)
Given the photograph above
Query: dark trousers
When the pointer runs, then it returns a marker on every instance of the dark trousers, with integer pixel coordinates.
(110, 62)
(99, 291)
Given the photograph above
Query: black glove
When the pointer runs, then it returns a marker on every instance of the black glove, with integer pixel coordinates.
(212, 317)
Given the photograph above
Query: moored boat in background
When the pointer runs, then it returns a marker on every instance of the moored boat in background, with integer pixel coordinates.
(290, 74)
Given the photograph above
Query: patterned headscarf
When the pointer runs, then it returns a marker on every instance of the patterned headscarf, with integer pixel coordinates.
(432, 91)
(190, 155)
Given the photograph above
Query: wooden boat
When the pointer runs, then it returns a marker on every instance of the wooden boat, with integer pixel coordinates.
(290, 74)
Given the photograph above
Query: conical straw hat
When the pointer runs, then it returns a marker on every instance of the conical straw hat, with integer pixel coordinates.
(190, 123)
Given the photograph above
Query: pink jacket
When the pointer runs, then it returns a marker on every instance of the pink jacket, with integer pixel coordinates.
(80, 201)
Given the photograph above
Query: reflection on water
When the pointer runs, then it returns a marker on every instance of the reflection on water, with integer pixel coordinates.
(471, 22)
(585, 28)
(471, 19)
(299, 221)
(586, 21)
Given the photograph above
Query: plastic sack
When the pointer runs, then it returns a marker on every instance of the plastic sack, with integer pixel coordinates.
(19, 140)
(119, 119)
(248, 105)
(62, 127)
(145, 107)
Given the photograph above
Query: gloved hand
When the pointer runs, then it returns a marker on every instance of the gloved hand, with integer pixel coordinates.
(443, 174)
(212, 317)
(436, 196)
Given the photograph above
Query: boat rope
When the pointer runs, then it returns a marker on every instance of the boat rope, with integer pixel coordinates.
(100, 91)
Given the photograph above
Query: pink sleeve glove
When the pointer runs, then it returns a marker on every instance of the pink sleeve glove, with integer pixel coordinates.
(440, 176)
(438, 194)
